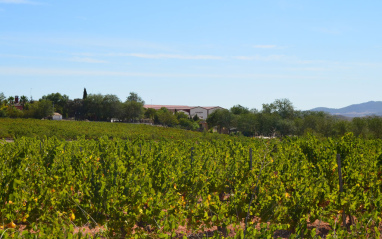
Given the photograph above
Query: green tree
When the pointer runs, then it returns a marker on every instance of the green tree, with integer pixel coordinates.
(23, 100)
(166, 117)
(3, 106)
(282, 107)
(133, 110)
(93, 107)
(76, 109)
(150, 113)
(222, 118)
(133, 107)
(181, 115)
(41, 109)
(3, 111)
(311, 121)
(2, 98)
(238, 110)
(188, 124)
(268, 109)
(11, 100)
(285, 127)
(135, 97)
(268, 123)
(111, 107)
(247, 124)
(341, 127)
(375, 126)
(59, 101)
(359, 126)
(85, 94)
(13, 112)
(326, 126)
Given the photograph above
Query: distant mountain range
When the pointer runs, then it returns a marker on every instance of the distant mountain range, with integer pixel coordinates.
(357, 110)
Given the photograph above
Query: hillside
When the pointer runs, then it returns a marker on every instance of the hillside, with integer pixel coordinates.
(356, 110)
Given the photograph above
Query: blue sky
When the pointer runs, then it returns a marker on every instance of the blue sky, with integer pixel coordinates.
(215, 52)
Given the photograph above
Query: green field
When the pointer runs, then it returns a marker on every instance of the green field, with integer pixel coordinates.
(181, 184)
(70, 130)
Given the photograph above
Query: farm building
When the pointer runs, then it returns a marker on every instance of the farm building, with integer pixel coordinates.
(17, 104)
(201, 111)
(57, 116)
(173, 108)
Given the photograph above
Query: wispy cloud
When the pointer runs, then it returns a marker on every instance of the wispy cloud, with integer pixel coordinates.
(186, 57)
(317, 69)
(84, 54)
(19, 56)
(105, 43)
(261, 58)
(170, 56)
(264, 46)
(17, 2)
(86, 60)
(29, 71)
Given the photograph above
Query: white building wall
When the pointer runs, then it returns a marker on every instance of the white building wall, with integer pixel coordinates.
(213, 109)
(200, 111)
(57, 117)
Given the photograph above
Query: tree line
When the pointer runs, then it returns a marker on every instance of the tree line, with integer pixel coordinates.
(279, 118)
(94, 107)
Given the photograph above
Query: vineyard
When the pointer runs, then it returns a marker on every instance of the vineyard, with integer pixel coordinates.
(71, 130)
(196, 188)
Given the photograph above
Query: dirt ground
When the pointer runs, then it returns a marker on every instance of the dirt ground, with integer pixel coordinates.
(7, 140)
(321, 227)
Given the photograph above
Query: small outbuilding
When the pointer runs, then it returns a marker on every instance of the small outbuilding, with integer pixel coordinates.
(57, 116)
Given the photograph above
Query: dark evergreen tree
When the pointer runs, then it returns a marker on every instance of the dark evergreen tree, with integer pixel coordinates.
(85, 95)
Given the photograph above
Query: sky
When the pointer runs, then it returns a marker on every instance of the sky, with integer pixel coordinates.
(197, 53)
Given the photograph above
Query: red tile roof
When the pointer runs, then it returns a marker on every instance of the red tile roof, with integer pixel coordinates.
(170, 107)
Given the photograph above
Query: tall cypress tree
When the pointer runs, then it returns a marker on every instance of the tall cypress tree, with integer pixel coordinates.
(85, 94)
